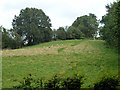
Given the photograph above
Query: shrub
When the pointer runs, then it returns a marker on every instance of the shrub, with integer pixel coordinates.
(73, 82)
(29, 82)
(107, 84)
(56, 82)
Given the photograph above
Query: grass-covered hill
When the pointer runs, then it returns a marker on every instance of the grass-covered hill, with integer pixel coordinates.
(90, 58)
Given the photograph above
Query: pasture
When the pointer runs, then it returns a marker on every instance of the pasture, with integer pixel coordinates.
(90, 58)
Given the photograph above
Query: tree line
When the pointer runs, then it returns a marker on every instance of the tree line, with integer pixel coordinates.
(83, 27)
(110, 32)
(32, 26)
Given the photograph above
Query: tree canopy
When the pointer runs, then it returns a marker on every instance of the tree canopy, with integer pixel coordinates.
(83, 27)
(10, 39)
(33, 26)
(110, 32)
(61, 33)
(74, 33)
(87, 24)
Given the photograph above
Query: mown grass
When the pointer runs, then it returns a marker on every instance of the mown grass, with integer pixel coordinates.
(90, 58)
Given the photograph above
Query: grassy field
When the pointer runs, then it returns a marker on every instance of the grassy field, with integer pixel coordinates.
(90, 58)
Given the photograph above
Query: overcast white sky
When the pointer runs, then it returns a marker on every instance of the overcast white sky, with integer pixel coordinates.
(61, 12)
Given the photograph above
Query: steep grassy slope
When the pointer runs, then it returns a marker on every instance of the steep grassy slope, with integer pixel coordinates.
(88, 57)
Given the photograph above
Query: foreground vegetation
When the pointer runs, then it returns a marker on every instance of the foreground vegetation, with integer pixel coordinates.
(90, 58)
(72, 82)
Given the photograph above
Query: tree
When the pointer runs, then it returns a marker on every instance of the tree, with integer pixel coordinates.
(87, 24)
(111, 29)
(74, 33)
(54, 34)
(17, 40)
(10, 39)
(33, 26)
(47, 34)
(6, 39)
(61, 34)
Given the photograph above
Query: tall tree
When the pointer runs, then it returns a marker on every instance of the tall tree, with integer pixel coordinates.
(60, 33)
(74, 33)
(10, 39)
(33, 26)
(111, 29)
(87, 24)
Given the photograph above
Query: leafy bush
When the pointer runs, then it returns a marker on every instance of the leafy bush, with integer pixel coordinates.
(54, 82)
(28, 82)
(57, 81)
(107, 84)
(72, 82)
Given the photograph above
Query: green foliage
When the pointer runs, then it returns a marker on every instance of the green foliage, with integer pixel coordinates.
(74, 33)
(10, 39)
(106, 83)
(33, 26)
(111, 31)
(88, 25)
(61, 34)
(54, 34)
(29, 82)
(57, 81)
(60, 49)
(73, 81)
(47, 35)
(83, 27)
(54, 82)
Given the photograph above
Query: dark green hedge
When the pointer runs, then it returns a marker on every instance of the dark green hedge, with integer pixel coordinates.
(72, 82)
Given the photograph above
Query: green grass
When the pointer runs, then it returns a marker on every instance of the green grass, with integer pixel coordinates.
(54, 43)
(90, 58)
(60, 50)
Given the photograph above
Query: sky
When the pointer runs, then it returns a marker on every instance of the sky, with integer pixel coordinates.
(61, 12)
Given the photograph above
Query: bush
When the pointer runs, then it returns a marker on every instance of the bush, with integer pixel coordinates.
(107, 84)
(56, 82)
(28, 82)
(72, 82)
